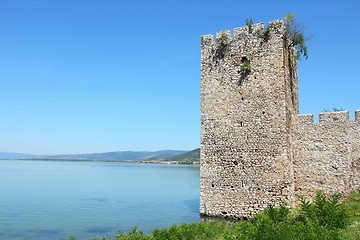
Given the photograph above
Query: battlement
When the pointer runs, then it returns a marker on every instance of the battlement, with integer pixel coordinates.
(306, 118)
(258, 29)
(329, 117)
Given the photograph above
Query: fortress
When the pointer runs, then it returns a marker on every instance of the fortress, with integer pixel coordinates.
(256, 149)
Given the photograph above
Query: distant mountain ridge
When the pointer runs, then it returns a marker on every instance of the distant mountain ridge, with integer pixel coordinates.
(107, 156)
(120, 155)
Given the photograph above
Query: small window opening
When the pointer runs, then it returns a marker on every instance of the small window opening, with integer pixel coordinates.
(244, 59)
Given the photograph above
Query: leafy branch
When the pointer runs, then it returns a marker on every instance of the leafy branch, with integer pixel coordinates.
(296, 34)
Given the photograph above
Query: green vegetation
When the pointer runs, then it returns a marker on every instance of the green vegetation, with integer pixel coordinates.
(324, 218)
(334, 109)
(249, 23)
(352, 205)
(296, 34)
(245, 67)
(222, 46)
(338, 109)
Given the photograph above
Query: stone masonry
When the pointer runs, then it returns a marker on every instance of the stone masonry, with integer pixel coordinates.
(256, 149)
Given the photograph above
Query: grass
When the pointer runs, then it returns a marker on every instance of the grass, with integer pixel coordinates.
(352, 204)
(325, 218)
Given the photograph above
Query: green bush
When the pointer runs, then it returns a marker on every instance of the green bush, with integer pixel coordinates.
(209, 230)
(352, 205)
(135, 234)
(222, 46)
(278, 214)
(245, 68)
(324, 212)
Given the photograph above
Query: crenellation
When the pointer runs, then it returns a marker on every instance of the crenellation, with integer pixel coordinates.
(207, 38)
(257, 28)
(240, 32)
(331, 117)
(256, 149)
(227, 33)
(305, 118)
(207, 42)
(277, 25)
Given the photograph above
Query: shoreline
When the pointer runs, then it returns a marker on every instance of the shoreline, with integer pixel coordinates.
(157, 161)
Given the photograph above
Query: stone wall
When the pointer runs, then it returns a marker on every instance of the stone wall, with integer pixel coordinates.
(326, 154)
(255, 149)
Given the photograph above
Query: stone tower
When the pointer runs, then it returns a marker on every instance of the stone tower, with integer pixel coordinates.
(256, 149)
(249, 96)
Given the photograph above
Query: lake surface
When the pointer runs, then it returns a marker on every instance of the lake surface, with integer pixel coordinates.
(57, 199)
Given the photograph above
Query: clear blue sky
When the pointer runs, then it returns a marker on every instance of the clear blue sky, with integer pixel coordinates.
(83, 76)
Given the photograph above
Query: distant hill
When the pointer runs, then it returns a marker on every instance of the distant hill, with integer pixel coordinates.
(175, 156)
(119, 156)
(188, 157)
(106, 156)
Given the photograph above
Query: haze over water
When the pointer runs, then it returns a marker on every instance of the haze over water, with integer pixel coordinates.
(54, 199)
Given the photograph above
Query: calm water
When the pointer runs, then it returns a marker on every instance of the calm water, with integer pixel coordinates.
(54, 200)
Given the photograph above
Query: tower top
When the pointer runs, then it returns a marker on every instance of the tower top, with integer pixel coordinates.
(258, 29)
